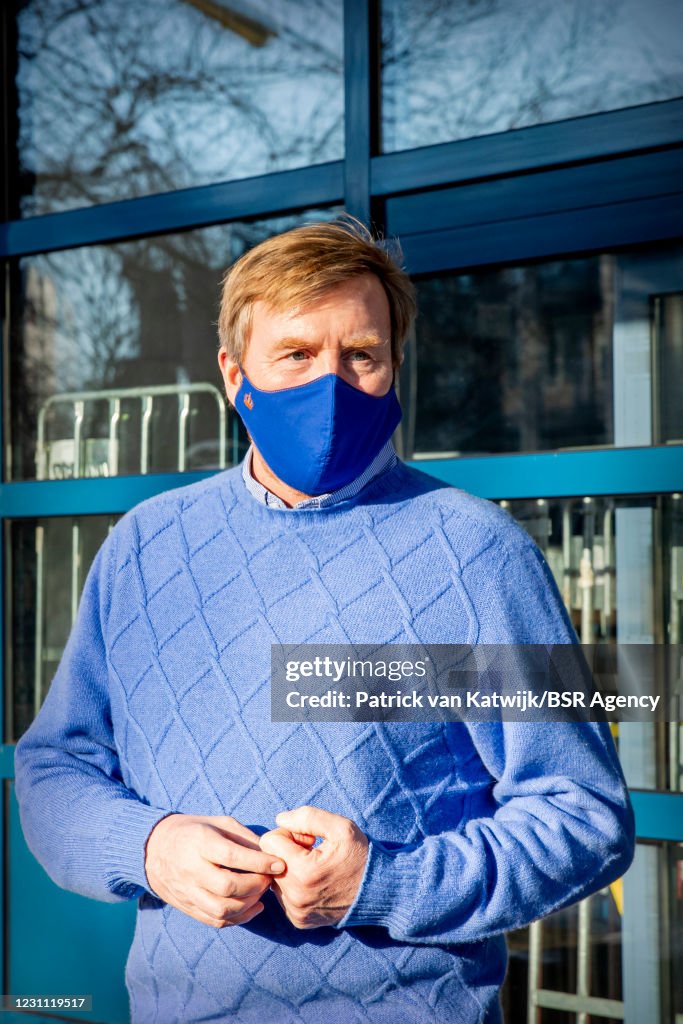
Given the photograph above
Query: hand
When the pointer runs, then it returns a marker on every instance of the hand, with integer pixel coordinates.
(209, 867)
(320, 882)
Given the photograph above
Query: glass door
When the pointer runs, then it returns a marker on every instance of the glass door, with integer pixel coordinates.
(553, 387)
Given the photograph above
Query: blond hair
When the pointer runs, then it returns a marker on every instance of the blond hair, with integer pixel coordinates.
(293, 269)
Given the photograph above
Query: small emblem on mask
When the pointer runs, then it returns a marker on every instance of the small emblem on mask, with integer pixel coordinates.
(248, 400)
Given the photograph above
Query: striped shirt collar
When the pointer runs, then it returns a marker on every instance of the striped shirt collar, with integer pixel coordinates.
(385, 459)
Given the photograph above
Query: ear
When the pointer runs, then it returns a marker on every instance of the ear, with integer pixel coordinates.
(230, 372)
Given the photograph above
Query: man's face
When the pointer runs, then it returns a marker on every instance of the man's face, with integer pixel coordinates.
(346, 331)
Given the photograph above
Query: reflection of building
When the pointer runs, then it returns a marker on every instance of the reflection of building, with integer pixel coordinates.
(40, 315)
(547, 248)
(37, 371)
(517, 360)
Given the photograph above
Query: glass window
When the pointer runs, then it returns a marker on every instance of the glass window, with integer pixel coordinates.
(618, 564)
(668, 368)
(47, 562)
(113, 355)
(568, 353)
(458, 70)
(118, 98)
(614, 956)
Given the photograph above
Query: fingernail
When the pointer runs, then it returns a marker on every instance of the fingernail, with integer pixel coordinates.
(277, 866)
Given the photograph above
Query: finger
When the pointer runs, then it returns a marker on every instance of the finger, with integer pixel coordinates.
(248, 915)
(279, 843)
(222, 909)
(303, 838)
(224, 852)
(220, 922)
(204, 907)
(314, 821)
(279, 895)
(224, 882)
(234, 830)
(199, 915)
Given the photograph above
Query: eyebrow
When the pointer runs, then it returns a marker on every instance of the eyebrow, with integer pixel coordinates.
(359, 341)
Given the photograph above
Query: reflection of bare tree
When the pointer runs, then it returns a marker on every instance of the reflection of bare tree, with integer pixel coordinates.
(120, 98)
(130, 314)
(94, 320)
(458, 70)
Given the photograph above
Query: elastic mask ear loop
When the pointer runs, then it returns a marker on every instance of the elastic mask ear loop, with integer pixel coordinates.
(233, 405)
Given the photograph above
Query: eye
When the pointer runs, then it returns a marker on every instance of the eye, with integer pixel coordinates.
(361, 353)
(295, 354)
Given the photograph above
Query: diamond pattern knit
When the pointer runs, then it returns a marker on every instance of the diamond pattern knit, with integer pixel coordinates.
(161, 703)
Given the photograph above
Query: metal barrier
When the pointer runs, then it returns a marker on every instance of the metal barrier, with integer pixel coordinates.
(581, 1002)
(77, 456)
(581, 585)
(146, 395)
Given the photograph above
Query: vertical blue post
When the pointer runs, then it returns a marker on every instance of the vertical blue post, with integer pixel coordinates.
(361, 19)
(8, 47)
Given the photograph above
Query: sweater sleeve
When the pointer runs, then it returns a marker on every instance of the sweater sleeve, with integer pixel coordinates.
(562, 827)
(86, 828)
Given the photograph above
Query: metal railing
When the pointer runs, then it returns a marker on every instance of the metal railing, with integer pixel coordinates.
(76, 462)
(581, 1002)
(146, 396)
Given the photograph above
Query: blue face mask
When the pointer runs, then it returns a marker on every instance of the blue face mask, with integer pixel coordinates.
(318, 436)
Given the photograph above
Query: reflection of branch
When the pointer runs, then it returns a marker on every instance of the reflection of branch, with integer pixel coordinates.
(155, 102)
(255, 32)
(460, 70)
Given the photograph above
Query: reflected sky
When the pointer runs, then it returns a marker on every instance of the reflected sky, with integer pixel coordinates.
(458, 70)
(118, 98)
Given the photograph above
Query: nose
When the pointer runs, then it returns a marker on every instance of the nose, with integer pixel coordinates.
(329, 361)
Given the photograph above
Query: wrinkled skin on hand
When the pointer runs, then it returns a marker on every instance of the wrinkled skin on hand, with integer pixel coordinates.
(320, 882)
(210, 867)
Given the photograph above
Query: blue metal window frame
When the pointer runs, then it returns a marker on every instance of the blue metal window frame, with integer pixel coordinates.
(615, 177)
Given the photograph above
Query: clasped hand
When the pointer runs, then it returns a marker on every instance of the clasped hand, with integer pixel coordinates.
(210, 867)
(320, 882)
(216, 870)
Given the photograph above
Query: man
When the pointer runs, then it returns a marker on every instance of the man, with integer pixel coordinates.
(331, 872)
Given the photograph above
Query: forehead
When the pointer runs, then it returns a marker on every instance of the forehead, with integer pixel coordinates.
(359, 304)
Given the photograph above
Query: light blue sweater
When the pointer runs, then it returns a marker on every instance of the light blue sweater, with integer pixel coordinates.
(161, 703)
